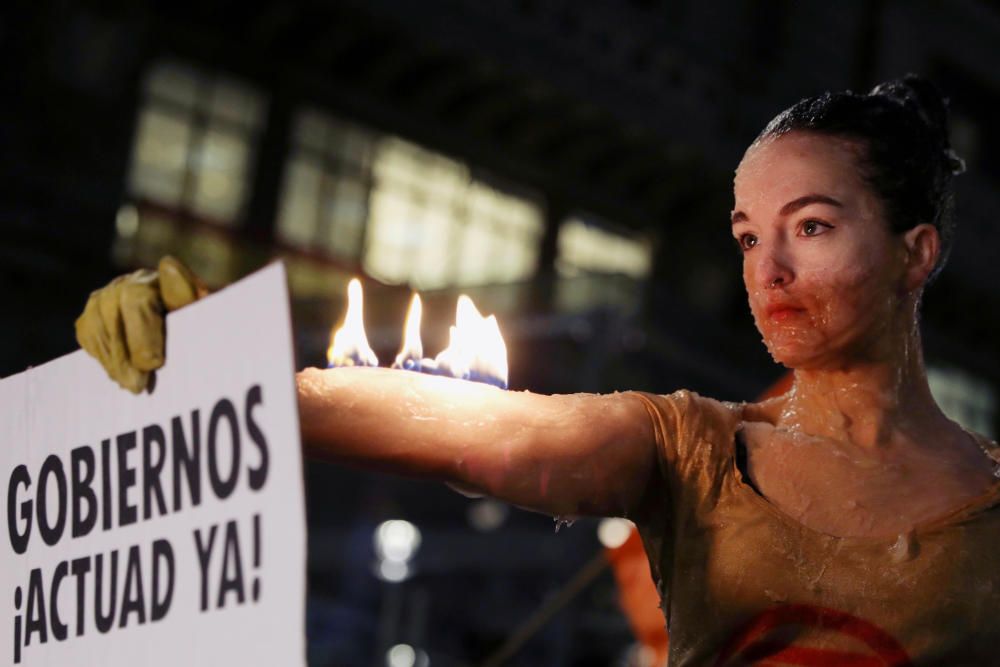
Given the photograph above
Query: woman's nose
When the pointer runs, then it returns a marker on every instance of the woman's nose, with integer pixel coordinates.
(774, 269)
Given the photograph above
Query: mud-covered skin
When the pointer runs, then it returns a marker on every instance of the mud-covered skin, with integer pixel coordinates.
(840, 264)
(563, 455)
(836, 487)
(858, 446)
(745, 582)
(852, 450)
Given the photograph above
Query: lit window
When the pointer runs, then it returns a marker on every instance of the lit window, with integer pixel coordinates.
(324, 200)
(194, 143)
(407, 214)
(432, 225)
(585, 247)
(970, 401)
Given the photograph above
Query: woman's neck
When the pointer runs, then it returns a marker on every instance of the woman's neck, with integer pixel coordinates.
(875, 400)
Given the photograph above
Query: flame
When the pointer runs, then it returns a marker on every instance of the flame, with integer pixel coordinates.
(476, 350)
(412, 352)
(349, 345)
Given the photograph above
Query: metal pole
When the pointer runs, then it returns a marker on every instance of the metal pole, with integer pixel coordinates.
(550, 608)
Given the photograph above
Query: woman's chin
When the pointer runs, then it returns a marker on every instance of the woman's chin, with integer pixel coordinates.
(797, 358)
(793, 354)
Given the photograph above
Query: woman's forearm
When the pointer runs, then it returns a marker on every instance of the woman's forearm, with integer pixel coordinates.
(558, 454)
(405, 422)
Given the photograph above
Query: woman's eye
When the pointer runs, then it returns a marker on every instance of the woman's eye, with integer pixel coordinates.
(746, 241)
(814, 227)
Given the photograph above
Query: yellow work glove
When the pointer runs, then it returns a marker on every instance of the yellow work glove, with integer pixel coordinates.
(122, 323)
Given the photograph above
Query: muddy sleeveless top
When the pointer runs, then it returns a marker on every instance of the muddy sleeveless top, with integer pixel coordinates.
(743, 583)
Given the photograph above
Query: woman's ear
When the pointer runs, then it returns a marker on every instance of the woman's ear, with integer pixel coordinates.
(923, 245)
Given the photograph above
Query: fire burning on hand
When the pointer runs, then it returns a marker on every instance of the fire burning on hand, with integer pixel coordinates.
(349, 345)
(410, 358)
(476, 349)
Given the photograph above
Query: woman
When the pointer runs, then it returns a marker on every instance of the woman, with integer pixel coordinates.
(845, 522)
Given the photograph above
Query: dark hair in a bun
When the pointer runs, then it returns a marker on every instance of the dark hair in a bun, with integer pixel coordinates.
(908, 160)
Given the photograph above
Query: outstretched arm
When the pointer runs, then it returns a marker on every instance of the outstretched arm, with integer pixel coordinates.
(562, 455)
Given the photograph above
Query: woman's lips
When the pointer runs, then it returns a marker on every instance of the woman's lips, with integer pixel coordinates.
(783, 314)
(780, 312)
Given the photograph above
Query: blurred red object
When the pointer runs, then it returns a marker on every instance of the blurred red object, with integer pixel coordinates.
(638, 596)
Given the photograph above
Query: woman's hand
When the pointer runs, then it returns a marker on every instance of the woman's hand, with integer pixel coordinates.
(577, 454)
(122, 323)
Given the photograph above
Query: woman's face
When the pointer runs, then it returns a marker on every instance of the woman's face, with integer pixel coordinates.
(823, 271)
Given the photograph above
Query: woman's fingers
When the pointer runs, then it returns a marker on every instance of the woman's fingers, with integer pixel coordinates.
(90, 332)
(142, 320)
(131, 378)
(122, 324)
(118, 363)
(179, 286)
(100, 330)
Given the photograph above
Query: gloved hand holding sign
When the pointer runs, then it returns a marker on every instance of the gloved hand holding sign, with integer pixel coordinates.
(122, 324)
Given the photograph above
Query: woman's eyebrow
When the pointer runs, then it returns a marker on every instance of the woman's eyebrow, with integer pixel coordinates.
(805, 200)
(794, 205)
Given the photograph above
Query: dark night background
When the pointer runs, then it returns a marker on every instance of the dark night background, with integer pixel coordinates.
(568, 164)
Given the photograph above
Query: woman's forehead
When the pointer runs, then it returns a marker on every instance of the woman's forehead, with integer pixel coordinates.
(786, 167)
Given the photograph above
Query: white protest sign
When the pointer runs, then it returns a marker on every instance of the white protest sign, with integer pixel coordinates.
(166, 528)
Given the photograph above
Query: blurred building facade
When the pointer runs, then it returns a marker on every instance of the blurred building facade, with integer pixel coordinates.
(569, 165)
